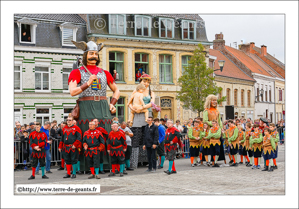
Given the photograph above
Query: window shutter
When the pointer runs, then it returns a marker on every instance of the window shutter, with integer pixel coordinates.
(67, 36)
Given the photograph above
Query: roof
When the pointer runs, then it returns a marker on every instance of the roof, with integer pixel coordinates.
(247, 61)
(179, 16)
(274, 63)
(270, 57)
(74, 18)
(229, 69)
(266, 67)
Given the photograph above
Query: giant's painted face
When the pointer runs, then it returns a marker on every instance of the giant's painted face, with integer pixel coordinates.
(146, 82)
(92, 57)
(214, 103)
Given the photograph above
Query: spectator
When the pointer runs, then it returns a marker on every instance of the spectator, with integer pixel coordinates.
(280, 130)
(128, 152)
(150, 142)
(163, 122)
(165, 118)
(138, 75)
(25, 146)
(115, 75)
(191, 121)
(17, 129)
(46, 128)
(31, 127)
(178, 126)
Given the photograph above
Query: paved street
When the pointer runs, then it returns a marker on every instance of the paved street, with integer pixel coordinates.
(189, 180)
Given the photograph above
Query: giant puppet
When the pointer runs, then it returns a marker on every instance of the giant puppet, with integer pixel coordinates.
(139, 121)
(212, 113)
(90, 83)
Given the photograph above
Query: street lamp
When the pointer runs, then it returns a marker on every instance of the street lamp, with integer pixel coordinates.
(221, 65)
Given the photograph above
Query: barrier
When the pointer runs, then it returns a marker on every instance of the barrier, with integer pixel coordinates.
(22, 152)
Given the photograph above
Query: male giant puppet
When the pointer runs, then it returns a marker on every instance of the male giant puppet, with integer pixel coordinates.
(212, 113)
(91, 88)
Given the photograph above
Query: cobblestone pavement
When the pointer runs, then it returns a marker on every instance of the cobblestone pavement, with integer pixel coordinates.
(189, 180)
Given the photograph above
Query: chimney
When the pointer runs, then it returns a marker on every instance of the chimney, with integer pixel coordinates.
(263, 50)
(252, 44)
(218, 43)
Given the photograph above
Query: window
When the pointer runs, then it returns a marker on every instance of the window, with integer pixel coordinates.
(66, 112)
(270, 95)
(258, 94)
(185, 62)
(228, 96)
(27, 33)
(266, 95)
(116, 62)
(42, 78)
(242, 97)
(219, 97)
(141, 65)
(248, 98)
(280, 95)
(120, 110)
(166, 28)
(68, 33)
(17, 78)
(188, 30)
(142, 26)
(236, 97)
(67, 36)
(117, 24)
(65, 77)
(18, 115)
(165, 68)
(42, 115)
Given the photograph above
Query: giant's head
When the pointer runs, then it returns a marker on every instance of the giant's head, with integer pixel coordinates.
(211, 101)
(91, 52)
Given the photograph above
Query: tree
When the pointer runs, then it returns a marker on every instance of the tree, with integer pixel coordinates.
(197, 83)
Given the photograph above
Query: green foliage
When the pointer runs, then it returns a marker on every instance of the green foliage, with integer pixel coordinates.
(197, 83)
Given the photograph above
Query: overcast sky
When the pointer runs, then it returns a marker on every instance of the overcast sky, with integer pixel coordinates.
(262, 29)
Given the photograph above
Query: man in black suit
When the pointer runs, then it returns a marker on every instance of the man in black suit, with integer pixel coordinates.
(150, 142)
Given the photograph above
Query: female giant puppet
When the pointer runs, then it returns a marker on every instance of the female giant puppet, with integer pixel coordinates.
(212, 113)
(139, 121)
(91, 88)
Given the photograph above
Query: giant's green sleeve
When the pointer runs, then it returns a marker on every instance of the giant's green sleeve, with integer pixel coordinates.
(258, 140)
(244, 138)
(190, 131)
(206, 118)
(224, 135)
(234, 136)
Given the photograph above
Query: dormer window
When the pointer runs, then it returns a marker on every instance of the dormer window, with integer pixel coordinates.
(68, 33)
(142, 26)
(166, 29)
(27, 30)
(188, 30)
